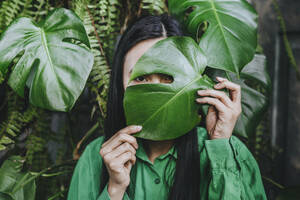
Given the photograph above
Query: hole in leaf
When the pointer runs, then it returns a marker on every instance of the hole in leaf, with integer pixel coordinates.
(201, 30)
(6, 72)
(75, 41)
(188, 11)
(15, 61)
(213, 73)
(30, 78)
(32, 72)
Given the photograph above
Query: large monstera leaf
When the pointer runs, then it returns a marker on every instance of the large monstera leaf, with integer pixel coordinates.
(54, 70)
(256, 86)
(230, 40)
(167, 110)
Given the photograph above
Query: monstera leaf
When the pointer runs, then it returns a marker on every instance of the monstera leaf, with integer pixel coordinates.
(54, 70)
(167, 110)
(254, 102)
(230, 40)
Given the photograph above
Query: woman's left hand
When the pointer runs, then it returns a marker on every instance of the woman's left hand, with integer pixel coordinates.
(223, 111)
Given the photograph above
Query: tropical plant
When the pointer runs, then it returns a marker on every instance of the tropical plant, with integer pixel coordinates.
(230, 34)
(55, 71)
(229, 42)
(47, 140)
(230, 38)
(256, 86)
(11, 178)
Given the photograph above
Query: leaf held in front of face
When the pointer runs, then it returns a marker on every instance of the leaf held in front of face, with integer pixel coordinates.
(167, 110)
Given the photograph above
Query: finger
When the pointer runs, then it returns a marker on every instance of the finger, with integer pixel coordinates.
(234, 89)
(124, 157)
(217, 94)
(130, 129)
(211, 119)
(119, 162)
(118, 151)
(221, 79)
(213, 101)
(211, 115)
(212, 110)
(127, 130)
(120, 139)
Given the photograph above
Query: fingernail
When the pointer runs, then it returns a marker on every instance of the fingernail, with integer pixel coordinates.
(220, 78)
(139, 127)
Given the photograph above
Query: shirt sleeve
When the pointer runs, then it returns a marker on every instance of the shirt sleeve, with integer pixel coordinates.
(85, 182)
(234, 173)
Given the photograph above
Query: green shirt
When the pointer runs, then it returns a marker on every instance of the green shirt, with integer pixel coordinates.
(228, 171)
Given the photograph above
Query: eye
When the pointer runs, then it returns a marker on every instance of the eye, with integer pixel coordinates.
(140, 79)
(167, 78)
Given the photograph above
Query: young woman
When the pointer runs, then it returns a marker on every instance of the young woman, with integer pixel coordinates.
(205, 163)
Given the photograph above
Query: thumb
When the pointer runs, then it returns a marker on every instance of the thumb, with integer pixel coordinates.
(212, 111)
(128, 165)
(211, 118)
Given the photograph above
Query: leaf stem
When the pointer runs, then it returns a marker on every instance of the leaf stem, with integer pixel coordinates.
(92, 130)
(25, 181)
(274, 182)
(228, 77)
(52, 174)
(56, 195)
(96, 34)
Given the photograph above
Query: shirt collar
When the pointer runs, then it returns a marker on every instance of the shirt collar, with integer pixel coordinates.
(141, 153)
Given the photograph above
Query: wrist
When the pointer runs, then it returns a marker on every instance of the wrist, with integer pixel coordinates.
(115, 191)
(214, 137)
(220, 135)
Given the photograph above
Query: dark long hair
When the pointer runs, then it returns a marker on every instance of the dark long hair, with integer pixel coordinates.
(186, 183)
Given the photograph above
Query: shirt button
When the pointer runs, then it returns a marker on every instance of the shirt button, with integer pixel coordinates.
(157, 181)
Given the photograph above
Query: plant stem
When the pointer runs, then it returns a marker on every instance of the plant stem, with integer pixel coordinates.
(56, 195)
(90, 132)
(96, 34)
(228, 77)
(274, 183)
(26, 180)
(52, 174)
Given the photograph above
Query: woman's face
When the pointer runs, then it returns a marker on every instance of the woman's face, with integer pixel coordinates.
(132, 57)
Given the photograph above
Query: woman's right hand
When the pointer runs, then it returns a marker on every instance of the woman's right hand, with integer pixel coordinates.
(118, 154)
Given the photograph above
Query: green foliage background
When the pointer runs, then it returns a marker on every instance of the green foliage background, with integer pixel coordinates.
(51, 142)
(45, 138)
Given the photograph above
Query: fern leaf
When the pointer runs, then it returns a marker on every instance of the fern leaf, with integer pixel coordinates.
(16, 119)
(152, 7)
(10, 9)
(37, 10)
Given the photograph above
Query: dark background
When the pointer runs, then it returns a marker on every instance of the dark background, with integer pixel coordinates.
(284, 111)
